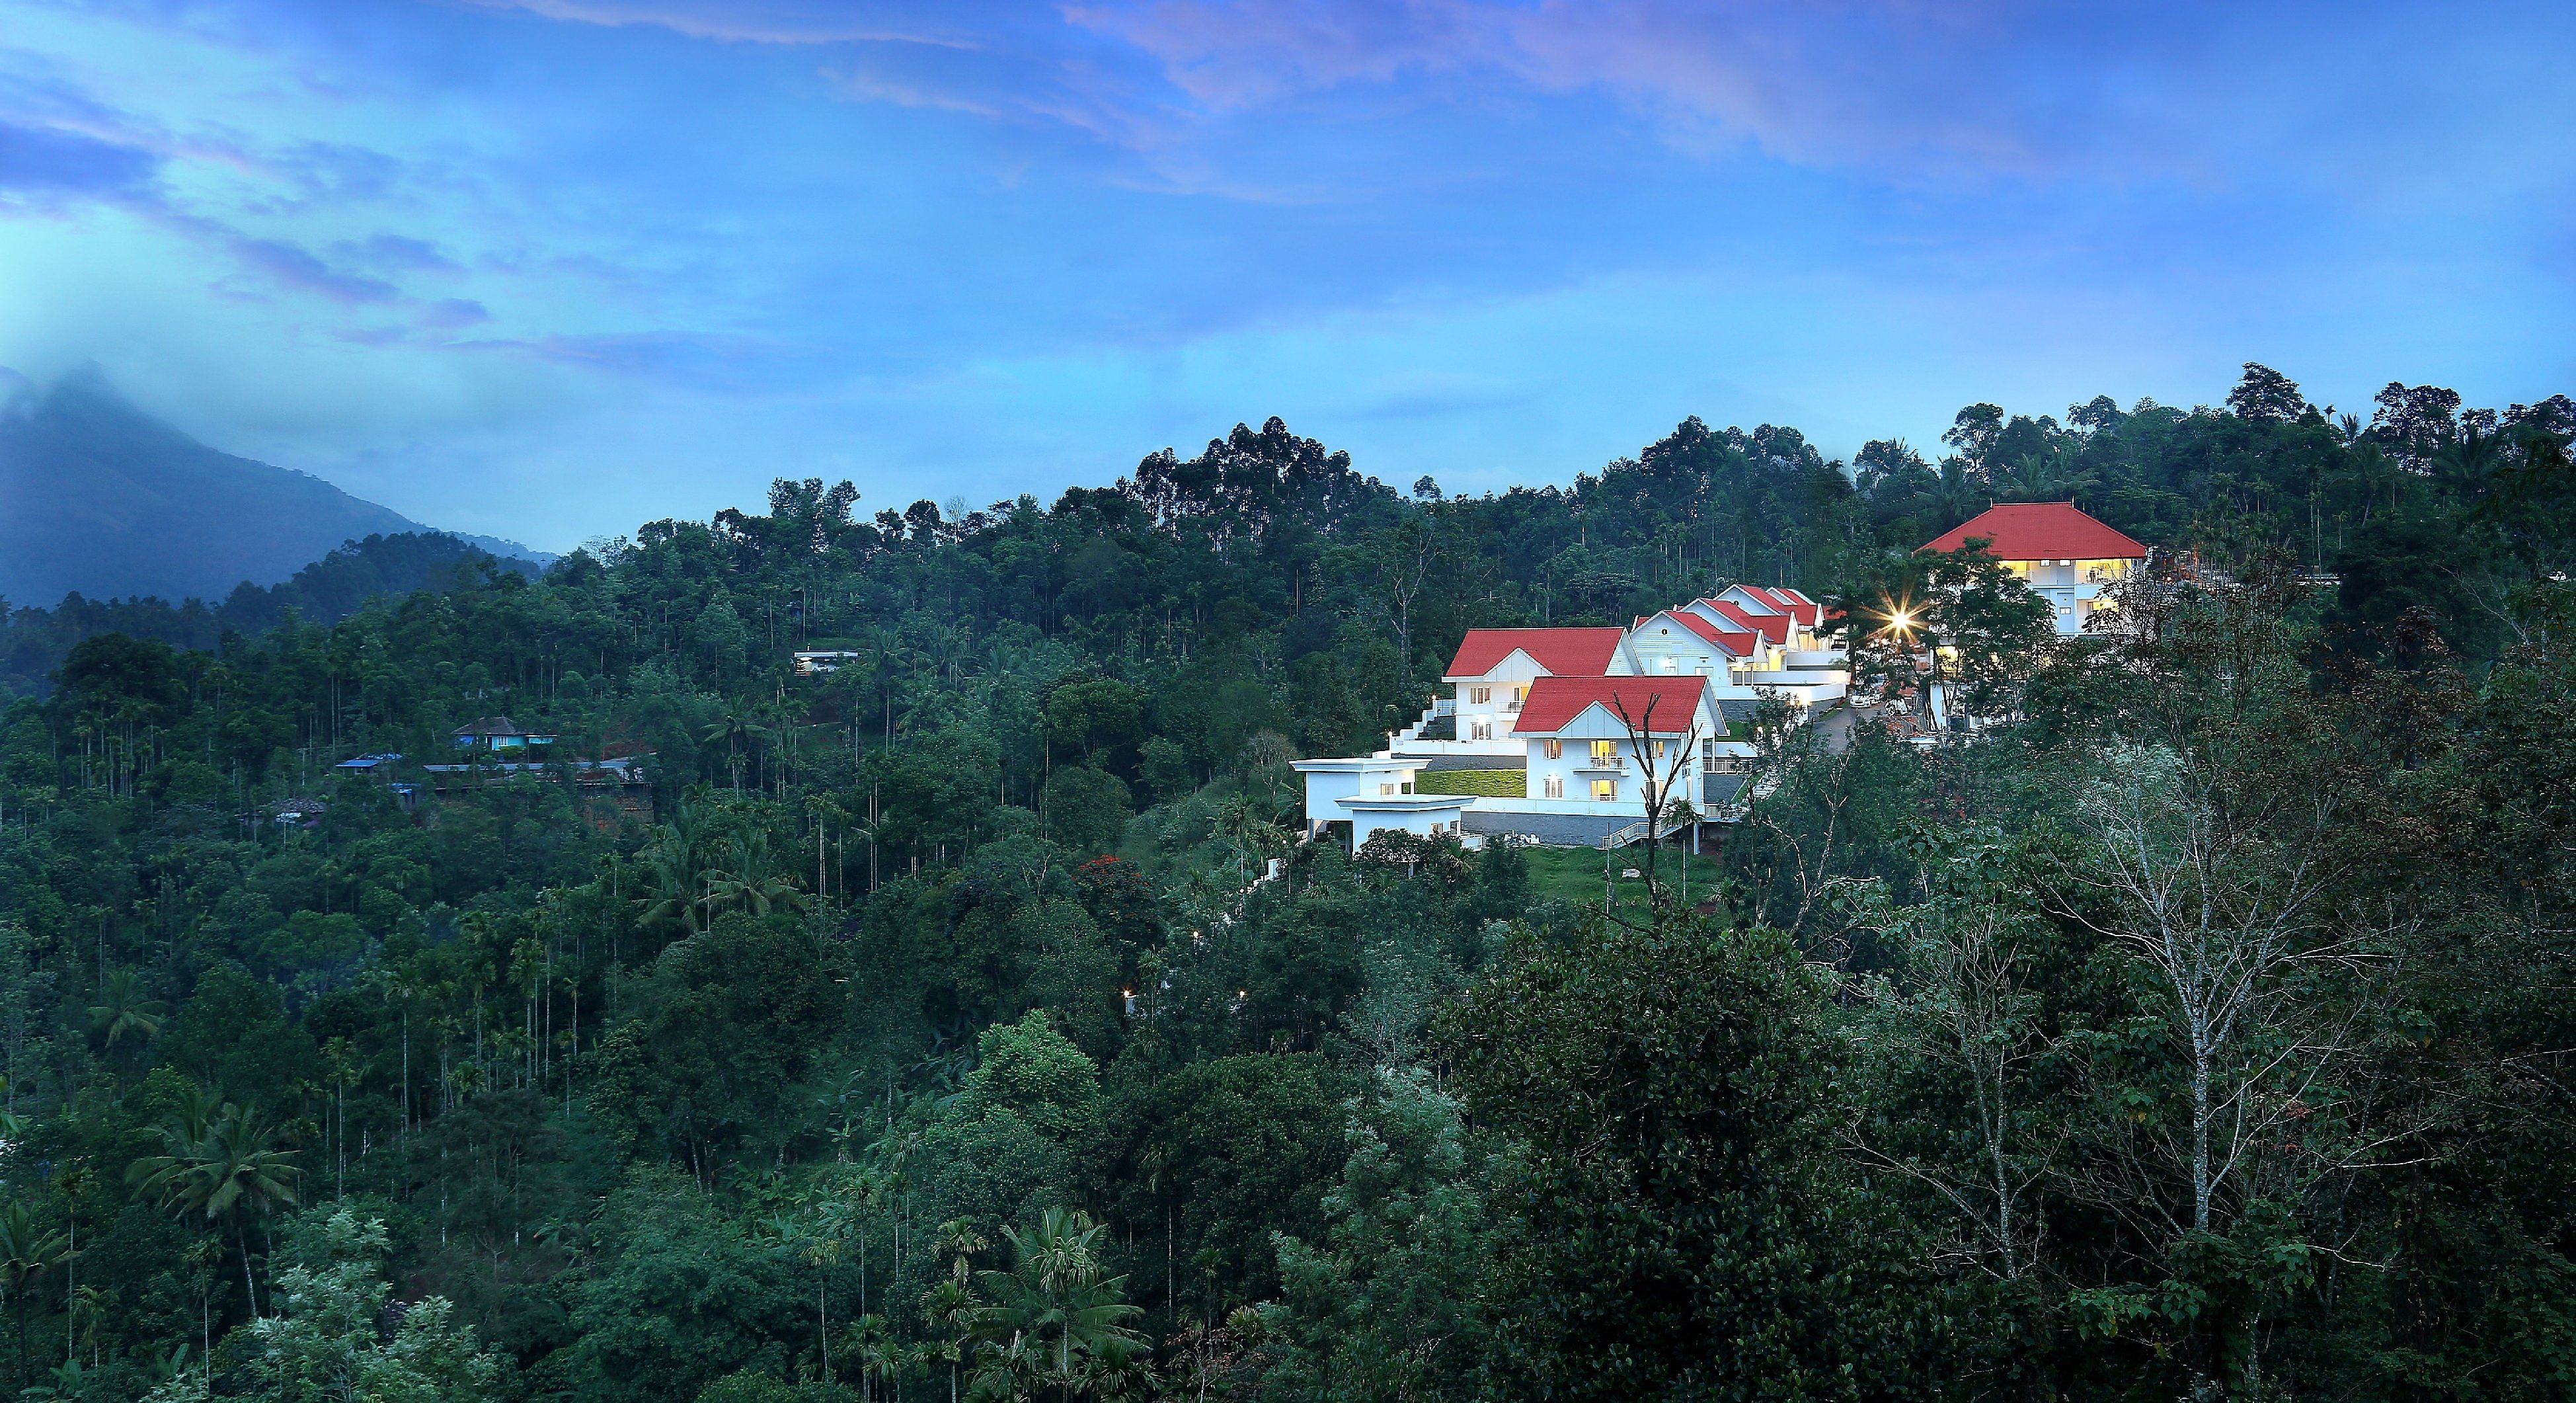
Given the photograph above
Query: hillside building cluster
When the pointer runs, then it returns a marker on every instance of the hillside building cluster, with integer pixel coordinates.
(1552, 734)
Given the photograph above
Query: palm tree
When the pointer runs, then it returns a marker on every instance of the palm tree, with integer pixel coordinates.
(1053, 1309)
(750, 884)
(227, 1166)
(736, 731)
(674, 862)
(27, 1252)
(125, 1006)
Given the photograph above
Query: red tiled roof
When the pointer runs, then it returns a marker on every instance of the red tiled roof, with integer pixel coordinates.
(1799, 606)
(1762, 603)
(1772, 626)
(1737, 642)
(2040, 531)
(1564, 652)
(1555, 701)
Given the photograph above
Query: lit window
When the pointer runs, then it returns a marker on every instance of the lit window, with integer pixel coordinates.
(1659, 750)
(1605, 790)
(1556, 750)
(1605, 754)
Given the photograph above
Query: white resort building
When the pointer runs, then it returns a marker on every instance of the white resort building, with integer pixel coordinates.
(1542, 735)
(2066, 557)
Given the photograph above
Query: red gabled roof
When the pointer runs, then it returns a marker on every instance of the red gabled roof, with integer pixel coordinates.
(1772, 626)
(1564, 652)
(1762, 603)
(2040, 531)
(1555, 701)
(1799, 606)
(1737, 642)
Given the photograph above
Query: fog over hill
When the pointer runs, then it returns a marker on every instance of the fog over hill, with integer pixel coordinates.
(100, 498)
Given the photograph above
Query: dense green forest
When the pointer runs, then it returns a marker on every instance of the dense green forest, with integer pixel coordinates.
(2202, 1030)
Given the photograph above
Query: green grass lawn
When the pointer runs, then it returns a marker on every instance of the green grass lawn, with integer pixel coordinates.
(1574, 874)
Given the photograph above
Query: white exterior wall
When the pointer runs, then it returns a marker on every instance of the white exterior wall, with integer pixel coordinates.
(1421, 822)
(1668, 649)
(1373, 793)
(1508, 684)
(1575, 771)
(1329, 782)
(2073, 589)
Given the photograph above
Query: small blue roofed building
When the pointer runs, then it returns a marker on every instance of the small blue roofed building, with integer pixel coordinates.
(372, 766)
(499, 734)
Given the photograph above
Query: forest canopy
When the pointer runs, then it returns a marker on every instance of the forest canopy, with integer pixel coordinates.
(967, 1018)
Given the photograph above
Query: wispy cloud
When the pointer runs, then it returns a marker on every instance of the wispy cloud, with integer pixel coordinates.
(44, 162)
(745, 21)
(396, 251)
(296, 267)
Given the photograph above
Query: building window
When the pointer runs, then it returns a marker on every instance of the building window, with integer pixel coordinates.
(1480, 695)
(1482, 730)
(1605, 790)
(1710, 762)
(1672, 664)
(1519, 694)
(1555, 787)
(1556, 750)
(1605, 755)
(1386, 790)
(1659, 750)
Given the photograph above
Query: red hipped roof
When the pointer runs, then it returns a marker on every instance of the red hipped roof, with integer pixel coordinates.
(2040, 531)
(1737, 642)
(1799, 606)
(1772, 626)
(1564, 652)
(1555, 701)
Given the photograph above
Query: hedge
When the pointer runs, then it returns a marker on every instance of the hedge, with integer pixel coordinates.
(1493, 784)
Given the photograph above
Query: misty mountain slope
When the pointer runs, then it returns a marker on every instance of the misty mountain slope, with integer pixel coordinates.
(98, 497)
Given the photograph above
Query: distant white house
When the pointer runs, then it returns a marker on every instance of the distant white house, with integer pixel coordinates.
(2066, 557)
(1536, 740)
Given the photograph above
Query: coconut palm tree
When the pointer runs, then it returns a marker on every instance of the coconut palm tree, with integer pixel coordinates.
(678, 872)
(229, 1167)
(750, 883)
(125, 1006)
(27, 1252)
(736, 730)
(1053, 1310)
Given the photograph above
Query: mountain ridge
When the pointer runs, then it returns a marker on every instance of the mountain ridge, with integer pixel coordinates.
(100, 499)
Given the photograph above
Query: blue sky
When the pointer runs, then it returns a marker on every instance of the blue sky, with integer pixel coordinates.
(549, 268)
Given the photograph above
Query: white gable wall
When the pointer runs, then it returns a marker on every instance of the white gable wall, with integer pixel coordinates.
(1667, 648)
(1506, 685)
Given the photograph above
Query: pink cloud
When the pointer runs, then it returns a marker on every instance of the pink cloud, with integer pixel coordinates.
(748, 21)
(1890, 83)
